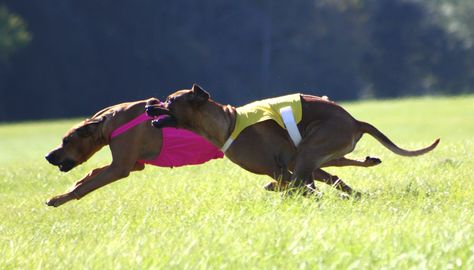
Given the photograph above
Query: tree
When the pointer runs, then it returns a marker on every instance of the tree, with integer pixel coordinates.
(13, 36)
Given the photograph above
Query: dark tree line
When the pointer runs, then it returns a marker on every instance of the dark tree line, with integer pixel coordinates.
(85, 55)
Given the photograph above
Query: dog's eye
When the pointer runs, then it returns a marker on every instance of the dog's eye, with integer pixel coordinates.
(66, 140)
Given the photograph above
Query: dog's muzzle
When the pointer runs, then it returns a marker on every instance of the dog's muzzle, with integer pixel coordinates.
(67, 165)
(154, 110)
(64, 165)
(164, 121)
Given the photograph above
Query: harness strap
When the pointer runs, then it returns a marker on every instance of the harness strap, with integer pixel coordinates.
(137, 120)
(227, 144)
(290, 124)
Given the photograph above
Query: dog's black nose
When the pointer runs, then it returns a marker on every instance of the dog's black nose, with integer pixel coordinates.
(149, 110)
(156, 123)
(51, 158)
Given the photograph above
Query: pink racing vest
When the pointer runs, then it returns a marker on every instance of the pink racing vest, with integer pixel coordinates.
(180, 147)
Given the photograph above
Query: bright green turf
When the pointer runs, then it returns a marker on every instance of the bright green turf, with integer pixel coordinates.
(417, 212)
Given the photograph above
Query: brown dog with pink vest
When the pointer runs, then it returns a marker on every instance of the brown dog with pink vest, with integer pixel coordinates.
(133, 143)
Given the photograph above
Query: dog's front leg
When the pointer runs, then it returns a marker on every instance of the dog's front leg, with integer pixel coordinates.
(94, 180)
(89, 176)
(63, 198)
(282, 182)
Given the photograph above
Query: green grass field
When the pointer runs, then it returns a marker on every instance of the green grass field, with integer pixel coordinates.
(418, 213)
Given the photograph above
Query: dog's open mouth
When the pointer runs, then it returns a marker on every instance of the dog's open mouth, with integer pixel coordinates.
(66, 165)
(165, 121)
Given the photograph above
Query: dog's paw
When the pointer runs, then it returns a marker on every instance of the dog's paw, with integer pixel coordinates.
(270, 186)
(276, 186)
(313, 192)
(52, 202)
(356, 195)
(372, 161)
(307, 191)
(58, 200)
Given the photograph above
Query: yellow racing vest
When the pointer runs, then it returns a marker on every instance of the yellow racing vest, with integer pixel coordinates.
(262, 110)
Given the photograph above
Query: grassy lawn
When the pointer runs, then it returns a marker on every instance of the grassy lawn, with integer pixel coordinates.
(417, 212)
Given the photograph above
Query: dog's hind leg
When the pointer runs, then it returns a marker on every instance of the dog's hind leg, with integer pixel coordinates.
(334, 181)
(342, 162)
(323, 142)
(318, 175)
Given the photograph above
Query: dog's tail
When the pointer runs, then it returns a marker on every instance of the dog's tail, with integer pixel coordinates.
(385, 141)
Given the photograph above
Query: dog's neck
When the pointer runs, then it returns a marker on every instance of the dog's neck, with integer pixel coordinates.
(102, 137)
(216, 122)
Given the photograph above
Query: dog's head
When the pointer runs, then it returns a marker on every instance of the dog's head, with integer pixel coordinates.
(78, 145)
(181, 109)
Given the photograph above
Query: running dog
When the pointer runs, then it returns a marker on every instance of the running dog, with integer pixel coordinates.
(288, 138)
(133, 143)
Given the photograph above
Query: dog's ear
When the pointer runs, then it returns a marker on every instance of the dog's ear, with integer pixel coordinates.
(90, 127)
(199, 95)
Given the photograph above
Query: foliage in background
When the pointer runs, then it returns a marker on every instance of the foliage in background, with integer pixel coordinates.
(456, 17)
(13, 33)
(91, 54)
(410, 54)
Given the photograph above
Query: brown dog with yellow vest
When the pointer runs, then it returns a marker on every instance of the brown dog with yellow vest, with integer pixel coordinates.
(327, 133)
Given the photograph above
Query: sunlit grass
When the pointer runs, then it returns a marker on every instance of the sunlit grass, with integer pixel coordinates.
(416, 212)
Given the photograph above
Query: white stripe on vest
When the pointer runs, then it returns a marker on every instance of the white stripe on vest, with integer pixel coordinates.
(290, 124)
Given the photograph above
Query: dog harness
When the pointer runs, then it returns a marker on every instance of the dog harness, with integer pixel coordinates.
(180, 147)
(285, 110)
